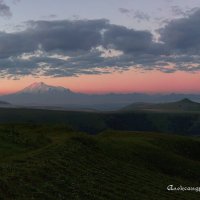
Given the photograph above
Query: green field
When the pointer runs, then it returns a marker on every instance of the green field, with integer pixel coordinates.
(55, 162)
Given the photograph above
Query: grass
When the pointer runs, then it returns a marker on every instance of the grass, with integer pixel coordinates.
(55, 162)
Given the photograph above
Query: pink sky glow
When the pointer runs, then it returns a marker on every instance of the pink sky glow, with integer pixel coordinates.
(126, 82)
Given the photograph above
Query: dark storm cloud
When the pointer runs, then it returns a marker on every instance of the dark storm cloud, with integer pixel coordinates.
(67, 35)
(4, 9)
(131, 41)
(183, 34)
(53, 35)
(12, 44)
(69, 48)
(70, 36)
(127, 40)
(77, 39)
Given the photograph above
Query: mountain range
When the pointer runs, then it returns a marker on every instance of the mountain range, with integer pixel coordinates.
(41, 94)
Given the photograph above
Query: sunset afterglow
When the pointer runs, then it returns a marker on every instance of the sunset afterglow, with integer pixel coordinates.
(134, 48)
(126, 82)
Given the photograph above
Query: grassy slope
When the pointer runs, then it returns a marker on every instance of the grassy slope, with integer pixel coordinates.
(40, 162)
(94, 122)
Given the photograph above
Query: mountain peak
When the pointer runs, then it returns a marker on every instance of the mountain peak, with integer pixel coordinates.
(186, 100)
(41, 87)
(37, 84)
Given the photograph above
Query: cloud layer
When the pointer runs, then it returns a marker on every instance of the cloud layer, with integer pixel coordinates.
(70, 48)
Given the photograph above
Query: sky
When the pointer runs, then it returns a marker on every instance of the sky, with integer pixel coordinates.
(92, 46)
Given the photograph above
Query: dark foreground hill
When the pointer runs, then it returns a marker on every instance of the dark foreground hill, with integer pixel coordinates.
(185, 123)
(185, 105)
(53, 162)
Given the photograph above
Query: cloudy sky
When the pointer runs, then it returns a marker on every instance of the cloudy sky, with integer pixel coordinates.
(101, 46)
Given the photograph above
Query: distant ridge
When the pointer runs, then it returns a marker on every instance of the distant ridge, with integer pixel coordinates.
(44, 95)
(182, 105)
(4, 103)
(186, 100)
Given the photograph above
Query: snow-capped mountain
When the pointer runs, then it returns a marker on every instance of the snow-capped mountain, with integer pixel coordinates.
(40, 87)
(40, 93)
